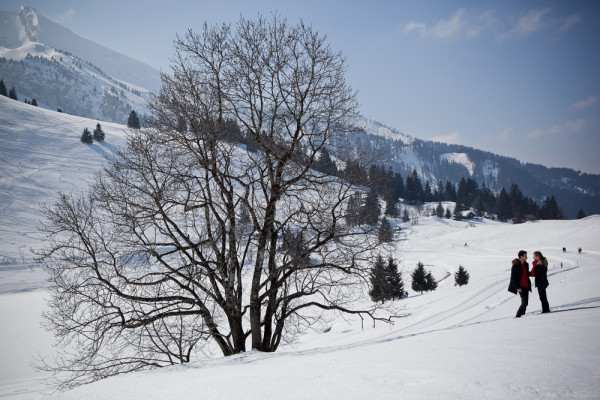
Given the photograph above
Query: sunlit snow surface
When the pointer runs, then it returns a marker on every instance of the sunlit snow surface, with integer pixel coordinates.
(454, 343)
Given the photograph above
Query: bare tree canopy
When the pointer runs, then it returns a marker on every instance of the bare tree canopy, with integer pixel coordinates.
(210, 230)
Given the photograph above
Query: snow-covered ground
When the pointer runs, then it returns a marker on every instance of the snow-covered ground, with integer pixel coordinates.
(453, 343)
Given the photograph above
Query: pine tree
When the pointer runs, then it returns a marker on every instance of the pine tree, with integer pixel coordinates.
(503, 206)
(133, 121)
(419, 278)
(405, 216)
(439, 211)
(353, 209)
(13, 93)
(461, 277)
(325, 164)
(430, 284)
(458, 212)
(448, 214)
(378, 291)
(98, 133)
(370, 211)
(86, 136)
(580, 214)
(3, 91)
(385, 231)
(33, 102)
(391, 208)
(394, 280)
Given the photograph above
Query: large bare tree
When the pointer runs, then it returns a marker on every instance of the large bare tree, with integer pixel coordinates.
(210, 230)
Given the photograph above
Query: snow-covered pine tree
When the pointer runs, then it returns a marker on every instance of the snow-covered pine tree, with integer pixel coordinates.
(33, 102)
(3, 91)
(99, 133)
(379, 283)
(461, 277)
(86, 136)
(419, 278)
(386, 234)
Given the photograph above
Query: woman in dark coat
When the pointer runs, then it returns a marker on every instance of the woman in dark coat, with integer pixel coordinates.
(540, 272)
(519, 281)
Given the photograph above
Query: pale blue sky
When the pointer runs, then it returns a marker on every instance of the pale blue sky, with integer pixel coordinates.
(518, 78)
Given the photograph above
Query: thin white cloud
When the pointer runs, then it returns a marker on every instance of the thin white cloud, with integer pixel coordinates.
(504, 136)
(459, 24)
(530, 23)
(570, 22)
(450, 27)
(583, 104)
(452, 138)
(416, 27)
(465, 24)
(558, 129)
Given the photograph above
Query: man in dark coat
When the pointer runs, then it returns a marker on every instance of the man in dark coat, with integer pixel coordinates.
(519, 281)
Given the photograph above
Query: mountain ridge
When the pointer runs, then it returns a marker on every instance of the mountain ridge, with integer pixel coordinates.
(63, 78)
(26, 24)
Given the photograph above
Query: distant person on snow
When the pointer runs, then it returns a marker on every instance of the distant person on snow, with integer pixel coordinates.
(564, 249)
(519, 281)
(539, 270)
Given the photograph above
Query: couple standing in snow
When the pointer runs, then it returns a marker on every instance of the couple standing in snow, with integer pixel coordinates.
(520, 283)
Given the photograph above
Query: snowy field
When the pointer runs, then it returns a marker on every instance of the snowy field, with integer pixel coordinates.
(453, 343)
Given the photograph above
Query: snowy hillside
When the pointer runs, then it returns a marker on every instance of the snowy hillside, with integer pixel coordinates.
(48, 62)
(453, 343)
(40, 154)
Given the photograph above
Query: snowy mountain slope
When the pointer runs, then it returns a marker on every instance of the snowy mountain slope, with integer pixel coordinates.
(435, 162)
(453, 343)
(86, 79)
(61, 81)
(40, 154)
(40, 59)
(26, 25)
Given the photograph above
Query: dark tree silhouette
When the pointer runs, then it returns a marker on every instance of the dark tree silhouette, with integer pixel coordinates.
(386, 234)
(394, 280)
(379, 284)
(12, 93)
(154, 266)
(3, 91)
(133, 121)
(419, 278)
(99, 133)
(461, 277)
(86, 136)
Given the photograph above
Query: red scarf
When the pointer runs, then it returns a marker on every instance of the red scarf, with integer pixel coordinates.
(534, 263)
